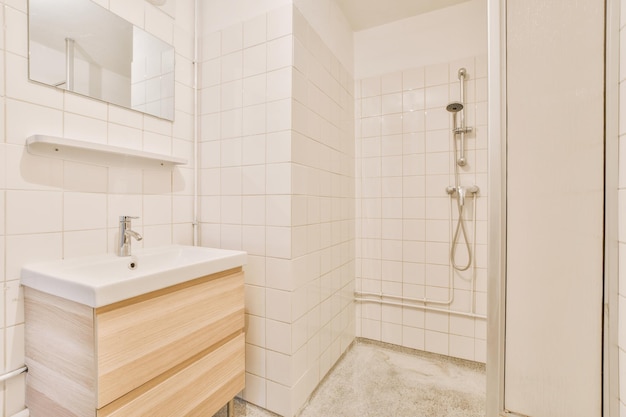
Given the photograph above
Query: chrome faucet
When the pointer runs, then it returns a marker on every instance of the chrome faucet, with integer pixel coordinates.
(126, 233)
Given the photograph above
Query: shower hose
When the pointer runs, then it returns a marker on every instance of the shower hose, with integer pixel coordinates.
(459, 231)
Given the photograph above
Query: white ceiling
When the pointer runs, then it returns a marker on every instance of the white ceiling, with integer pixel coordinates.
(365, 14)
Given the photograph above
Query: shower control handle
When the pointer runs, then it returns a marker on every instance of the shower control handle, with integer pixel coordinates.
(462, 190)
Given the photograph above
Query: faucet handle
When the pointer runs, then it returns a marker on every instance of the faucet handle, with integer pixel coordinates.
(124, 218)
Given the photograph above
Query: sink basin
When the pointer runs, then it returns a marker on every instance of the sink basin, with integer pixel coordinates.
(100, 280)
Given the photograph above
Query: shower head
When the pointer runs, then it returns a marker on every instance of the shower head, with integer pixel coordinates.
(454, 107)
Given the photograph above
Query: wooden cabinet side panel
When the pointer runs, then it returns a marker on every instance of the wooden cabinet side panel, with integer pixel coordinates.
(60, 355)
(140, 341)
(200, 389)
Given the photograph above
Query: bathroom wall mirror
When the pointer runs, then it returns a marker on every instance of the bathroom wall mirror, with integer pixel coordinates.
(80, 46)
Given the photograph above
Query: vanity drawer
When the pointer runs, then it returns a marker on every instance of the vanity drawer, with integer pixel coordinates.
(140, 339)
(199, 387)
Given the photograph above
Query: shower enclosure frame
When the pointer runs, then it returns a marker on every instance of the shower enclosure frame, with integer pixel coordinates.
(496, 268)
(497, 211)
(610, 368)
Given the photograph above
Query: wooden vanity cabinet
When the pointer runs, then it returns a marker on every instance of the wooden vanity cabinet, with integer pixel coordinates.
(175, 352)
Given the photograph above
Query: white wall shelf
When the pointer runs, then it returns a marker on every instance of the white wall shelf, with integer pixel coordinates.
(98, 153)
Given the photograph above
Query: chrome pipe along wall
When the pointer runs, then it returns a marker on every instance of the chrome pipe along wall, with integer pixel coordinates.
(13, 373)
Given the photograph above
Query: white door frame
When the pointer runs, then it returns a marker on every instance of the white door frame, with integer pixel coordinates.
(497, 211)
(610, 392)
(496, 10)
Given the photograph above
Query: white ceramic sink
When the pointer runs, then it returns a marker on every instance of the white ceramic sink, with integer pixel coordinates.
(100, 280)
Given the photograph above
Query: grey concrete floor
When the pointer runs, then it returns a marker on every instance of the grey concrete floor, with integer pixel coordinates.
(375, 380)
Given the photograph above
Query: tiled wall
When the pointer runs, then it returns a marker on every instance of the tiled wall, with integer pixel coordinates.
(277, 180)
(51, 209)
(405, 161)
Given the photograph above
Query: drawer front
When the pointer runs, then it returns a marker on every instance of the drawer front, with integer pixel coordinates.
(199, 389)
(143, 338)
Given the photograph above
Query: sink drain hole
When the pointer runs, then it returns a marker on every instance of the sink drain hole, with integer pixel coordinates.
(132, 265)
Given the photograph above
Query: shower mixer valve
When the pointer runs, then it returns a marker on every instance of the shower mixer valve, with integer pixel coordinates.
(462, 191)
(462, 130)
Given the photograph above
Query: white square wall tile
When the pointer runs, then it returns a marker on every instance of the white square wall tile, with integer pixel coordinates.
(391, 333)
(280, 22)
(255, 300)
(231, 123)
(155, 236)
(230, 236)
(253, 240)
(124, 136)
(253, 210)
(85, 177)
(231, 95)
(34, 212)
(413, 78)
(24, 119)
(278, 305)
(255, 391)
(278, 336)
(255, 360)
(255, 330)
(254, 90)
(279, 274)
(279, 115)
(279, 84)
(231, 209)
(278, 242)
(278, 178)
(255, 31)
(182, 234)
(157, 209)
(391, 83)
(84, 243)
(371, 87)
(21, 249)
(437, 96)
(159, 24)
(232, 38)
(84, 211)
(210, 99)
(436, 342)
(255, 60)
(232, 66)
(253, 180)
(131, 11)
(280, 53)
(254, 149)
(21, 88)
(279, 399)
(211, 45)
(462, 347)
(254, 120)
(436, 74)
(16, 40)
(211, 72)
